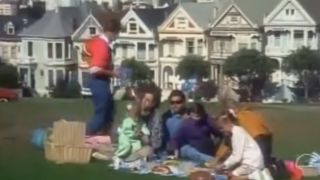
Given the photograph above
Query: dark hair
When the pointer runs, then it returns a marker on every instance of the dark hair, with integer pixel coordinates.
(156, 93)
(198, 108)
(177, 93)
(112, 25)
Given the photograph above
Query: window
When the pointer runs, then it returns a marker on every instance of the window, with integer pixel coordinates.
(23, 74)
(200, 47)
(14, 51)
(181, 22)
(50, 78)
(190, 46)
(5, 51)
(10, 31)
(30, 49)
(310, 38)
(277, 38)
(58, 50)
(151, 51)
(141, 51)
(298, 38)
(92, 30)
(50, 50)
(292, 11)
(287, 12)
(132, 26)
(171, 48)
(85, 79)
(124, 51)
(243, 45)
(234, 19)
(41, 73)
(67, 50)
(59, 75)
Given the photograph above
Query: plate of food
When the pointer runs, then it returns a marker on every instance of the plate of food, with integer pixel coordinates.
(161, 170)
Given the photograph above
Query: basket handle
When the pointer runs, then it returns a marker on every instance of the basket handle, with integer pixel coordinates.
(298, 160)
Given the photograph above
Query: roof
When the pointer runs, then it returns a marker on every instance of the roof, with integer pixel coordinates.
(201, 13)
(152, 18)
(58, 23)
(256, 10)
(19, 21)
(102, 15)
(312, 8)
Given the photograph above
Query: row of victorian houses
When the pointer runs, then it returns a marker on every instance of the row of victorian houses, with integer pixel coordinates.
(50, 48)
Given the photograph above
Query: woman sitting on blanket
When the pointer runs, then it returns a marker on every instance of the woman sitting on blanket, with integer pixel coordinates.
(194, 139)
(246, 158)
(133, 136)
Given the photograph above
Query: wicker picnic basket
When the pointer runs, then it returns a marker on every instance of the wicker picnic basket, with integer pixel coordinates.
(308, 171)
(68, 132)
(67, 143)
(61, 154)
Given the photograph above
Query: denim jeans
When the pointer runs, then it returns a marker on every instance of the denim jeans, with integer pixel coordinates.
(103, 105)
(191, 153)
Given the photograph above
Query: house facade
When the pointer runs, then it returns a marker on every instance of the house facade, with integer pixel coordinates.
(181, 34)
(138, 39)
(291, 25)
(89, 28)
(11, 26)
(46, 49)
(239, 25)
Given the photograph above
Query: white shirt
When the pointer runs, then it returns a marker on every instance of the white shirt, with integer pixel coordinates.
(245, 150)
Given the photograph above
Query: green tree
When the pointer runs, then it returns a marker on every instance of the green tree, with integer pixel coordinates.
(252, 69)
(193, 65)
(8, 76)
(140, 71)
(305, 64)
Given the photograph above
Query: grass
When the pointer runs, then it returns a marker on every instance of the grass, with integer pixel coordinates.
(296, 129)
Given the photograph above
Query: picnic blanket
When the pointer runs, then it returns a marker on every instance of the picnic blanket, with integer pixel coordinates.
(180, 169)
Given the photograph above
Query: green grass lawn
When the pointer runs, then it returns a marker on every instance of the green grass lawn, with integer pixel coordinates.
(296, 129)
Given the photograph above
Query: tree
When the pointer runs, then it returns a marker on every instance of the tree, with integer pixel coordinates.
(139, 70)
(305, 63)
(8, 76)
(252, 69)
(193, 65)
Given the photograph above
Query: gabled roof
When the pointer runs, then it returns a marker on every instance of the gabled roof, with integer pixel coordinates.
(201, 13)
(256, 10)
(312, 8)
(152, 18)
(59, 23)
(20, 21)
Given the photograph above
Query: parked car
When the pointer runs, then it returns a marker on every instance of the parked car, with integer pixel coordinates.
(8, 95)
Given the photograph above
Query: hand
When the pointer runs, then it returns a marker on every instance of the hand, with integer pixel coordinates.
(220, 167)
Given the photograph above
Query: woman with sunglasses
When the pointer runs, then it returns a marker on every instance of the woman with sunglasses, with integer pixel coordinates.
(194, 139)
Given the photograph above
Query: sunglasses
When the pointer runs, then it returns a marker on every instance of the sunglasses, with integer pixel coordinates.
(176, 102)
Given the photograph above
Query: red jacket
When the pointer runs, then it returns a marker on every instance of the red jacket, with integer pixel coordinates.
(98, 53)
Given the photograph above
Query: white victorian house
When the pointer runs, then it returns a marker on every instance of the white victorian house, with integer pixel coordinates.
(238, 25)
(46, 53)
(181, 34)
(138, 39)
(89, 28)
(291, 25)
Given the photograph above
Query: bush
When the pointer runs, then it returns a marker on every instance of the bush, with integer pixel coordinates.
(63, 89)
(8, 76)
(207, 90)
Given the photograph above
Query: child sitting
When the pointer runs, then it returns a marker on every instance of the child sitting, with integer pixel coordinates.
(133, 136)
(246, 157)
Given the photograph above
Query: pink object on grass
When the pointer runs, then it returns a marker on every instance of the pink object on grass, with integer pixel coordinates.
(96, 141)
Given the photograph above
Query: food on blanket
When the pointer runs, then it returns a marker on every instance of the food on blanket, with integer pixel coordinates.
(163, 170)
(171, 163)
(201, 175)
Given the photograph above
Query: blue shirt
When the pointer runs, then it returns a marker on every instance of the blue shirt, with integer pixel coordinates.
(173, 124)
